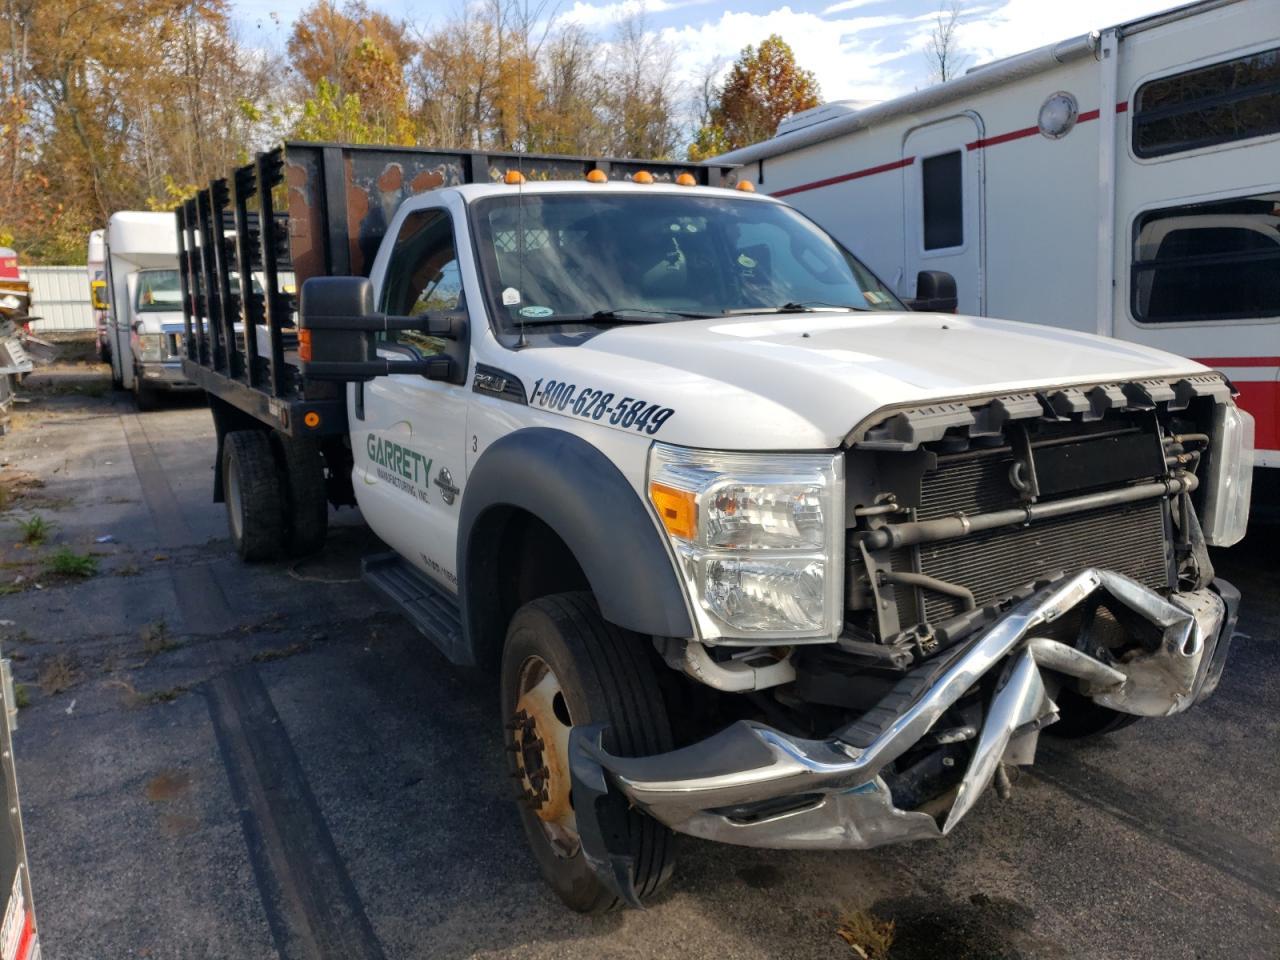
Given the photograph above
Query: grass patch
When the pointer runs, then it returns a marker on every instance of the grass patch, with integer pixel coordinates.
(869, 937)
(162, 696)
(58, 674)
(156, 639)
(65, 562)
(35, 530)
(21, 696)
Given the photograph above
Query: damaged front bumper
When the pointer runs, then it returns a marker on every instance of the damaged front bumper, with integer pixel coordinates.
(754, 785)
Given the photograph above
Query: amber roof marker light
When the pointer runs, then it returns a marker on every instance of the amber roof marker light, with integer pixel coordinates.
(513, 177)
(746, 186)
(642, 176)
(686, 180)
(597, 176)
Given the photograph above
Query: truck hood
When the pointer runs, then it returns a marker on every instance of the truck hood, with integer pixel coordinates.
(803, 381)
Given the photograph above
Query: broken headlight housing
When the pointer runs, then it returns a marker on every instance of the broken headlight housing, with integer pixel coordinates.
(1230, 477)
(759, 539)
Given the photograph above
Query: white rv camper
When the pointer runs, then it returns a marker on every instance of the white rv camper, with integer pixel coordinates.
(1125, 182)
(144, 316)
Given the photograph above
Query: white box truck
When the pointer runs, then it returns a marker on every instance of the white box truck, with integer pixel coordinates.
(144, 326)
(1124, 182)
(752, 551)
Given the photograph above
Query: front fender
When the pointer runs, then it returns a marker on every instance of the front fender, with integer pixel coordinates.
(578, 492)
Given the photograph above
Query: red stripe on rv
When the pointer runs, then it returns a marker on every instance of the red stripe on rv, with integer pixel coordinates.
(1238, 361)
(856, 175)
(981, 144)
(1262, 399)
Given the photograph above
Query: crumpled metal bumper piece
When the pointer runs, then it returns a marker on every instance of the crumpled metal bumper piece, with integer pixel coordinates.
(753, 785)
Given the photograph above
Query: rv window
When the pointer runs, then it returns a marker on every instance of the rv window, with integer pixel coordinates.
(1233, 100)
(943, 198)
(1208, 261)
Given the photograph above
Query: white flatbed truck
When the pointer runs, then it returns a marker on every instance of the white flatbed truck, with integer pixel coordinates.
(756, 552)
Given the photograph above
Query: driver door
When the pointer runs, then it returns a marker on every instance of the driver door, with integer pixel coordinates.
(408, 432)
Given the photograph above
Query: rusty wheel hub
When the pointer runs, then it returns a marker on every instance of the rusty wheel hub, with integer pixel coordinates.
(539, 743)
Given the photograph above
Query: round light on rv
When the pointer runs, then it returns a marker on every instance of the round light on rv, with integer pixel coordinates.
(1058, 115)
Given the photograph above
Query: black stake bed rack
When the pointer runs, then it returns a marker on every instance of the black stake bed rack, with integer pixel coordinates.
(247, 244)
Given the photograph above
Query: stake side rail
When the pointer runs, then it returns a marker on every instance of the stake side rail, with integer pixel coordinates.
(248, 242)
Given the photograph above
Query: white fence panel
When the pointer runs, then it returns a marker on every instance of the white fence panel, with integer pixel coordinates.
(60, 298)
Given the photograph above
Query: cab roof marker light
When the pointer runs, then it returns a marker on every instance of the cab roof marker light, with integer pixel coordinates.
(513, 177)
(746, 186)
(686, 180)
(597, 176)
(642, 176)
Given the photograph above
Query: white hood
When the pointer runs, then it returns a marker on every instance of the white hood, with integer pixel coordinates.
(802, 381)
(162, 321)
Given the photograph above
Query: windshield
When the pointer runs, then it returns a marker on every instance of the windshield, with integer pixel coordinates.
(562, 258)
(158, 290)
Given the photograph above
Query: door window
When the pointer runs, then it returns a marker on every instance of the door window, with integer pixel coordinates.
(1208, 261)
(941, 180)
(422, 276)
(1232, 100)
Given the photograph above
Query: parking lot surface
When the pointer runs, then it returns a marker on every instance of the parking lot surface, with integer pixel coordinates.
(228, 761)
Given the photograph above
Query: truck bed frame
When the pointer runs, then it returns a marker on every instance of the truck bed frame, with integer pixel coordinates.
(317, 209)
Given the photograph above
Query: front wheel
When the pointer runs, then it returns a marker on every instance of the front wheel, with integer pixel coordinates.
(563, 664)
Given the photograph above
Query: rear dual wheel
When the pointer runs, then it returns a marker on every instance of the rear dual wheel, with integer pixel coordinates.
(563, 664)
(275, 494)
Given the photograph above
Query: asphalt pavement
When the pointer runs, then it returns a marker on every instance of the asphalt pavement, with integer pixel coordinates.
(221, 761)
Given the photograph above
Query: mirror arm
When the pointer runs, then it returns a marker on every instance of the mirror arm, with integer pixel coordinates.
(433, 368)
(447, 325)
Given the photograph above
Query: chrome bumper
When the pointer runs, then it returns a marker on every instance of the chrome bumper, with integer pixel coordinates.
(753, 785)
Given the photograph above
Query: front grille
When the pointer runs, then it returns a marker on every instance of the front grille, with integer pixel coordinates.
(1129, 539)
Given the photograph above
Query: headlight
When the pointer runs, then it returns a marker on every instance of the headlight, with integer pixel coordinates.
(10, 302)
(759, 539)
(150, 347)
(1230, 477)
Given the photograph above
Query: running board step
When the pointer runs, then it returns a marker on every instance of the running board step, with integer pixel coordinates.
(427, 606)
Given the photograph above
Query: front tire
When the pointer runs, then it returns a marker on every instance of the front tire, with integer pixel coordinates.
(564, 665)
(144, 397)
(251, 488)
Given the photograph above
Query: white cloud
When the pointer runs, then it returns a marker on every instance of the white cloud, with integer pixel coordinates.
(849, 60)
(591, 15)
(1019, 25)
(846, 5)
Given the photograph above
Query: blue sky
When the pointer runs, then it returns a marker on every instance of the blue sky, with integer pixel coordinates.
(859, 49)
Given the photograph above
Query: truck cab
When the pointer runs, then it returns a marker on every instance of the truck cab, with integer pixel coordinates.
(753, 551)
(144, 320)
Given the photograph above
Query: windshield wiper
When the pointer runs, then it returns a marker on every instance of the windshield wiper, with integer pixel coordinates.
(618, 315)
(795, 306)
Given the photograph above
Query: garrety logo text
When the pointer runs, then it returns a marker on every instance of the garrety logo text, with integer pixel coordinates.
(407, 463)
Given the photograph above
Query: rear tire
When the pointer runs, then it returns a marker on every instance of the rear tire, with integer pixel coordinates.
(251, 487)
(604, 678)
(302, 476)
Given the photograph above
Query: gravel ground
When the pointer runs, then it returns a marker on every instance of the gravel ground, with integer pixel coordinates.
(222, 761)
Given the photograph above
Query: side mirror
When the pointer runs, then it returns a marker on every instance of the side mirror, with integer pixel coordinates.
(337, 328)
(98, 295)
(935, 292)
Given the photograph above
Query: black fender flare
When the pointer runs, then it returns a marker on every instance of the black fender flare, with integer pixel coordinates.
(577, 491)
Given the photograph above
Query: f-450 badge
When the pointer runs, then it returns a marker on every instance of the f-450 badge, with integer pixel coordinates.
(448, 490)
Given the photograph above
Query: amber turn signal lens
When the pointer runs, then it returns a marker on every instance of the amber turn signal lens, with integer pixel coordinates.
(513, 177)
(686, 180)
(642, 176)
(746, 186)
(304, 345)
(597, 176)
(677, 509)
(311, 419)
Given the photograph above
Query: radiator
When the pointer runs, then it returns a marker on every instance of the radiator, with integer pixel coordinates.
(1129, 539)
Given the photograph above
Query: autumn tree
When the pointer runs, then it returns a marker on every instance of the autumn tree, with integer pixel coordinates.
(362, 58)
(764, 86)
